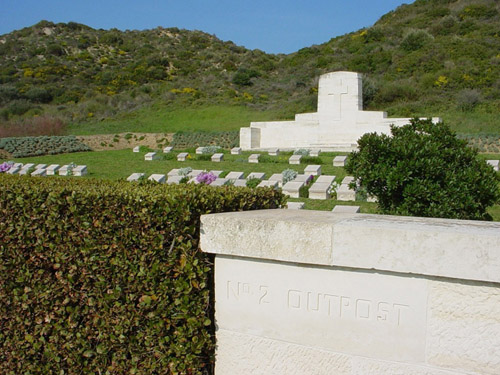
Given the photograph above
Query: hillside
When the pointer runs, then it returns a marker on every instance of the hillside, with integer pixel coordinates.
(432, 57)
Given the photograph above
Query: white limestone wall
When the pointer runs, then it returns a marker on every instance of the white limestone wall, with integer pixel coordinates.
(310, 292)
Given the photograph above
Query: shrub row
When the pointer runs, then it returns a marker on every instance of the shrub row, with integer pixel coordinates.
(106, 277)
(21, 147)
(196, 139)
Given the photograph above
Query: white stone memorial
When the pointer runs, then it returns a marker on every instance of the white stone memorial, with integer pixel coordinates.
(217, 158)
(307, 292)
(195, 172)
(80, 170)
(339, 161)
(135, 177)
(337, 125)
(182, 156)
(14, 169)
(167, 149)
(240, 182)
(315, 152)
(345, 193)
(493, 163)
(199, 150)
(234, 175)
(259, 175)
(41, 166)
(219, 182)
(136, 149)
(346, 209)
(294, 159)
(254, 158)
(39, 172)
(319, 190)
(347, 180)
(52, 169)
(26, 168)
(313, 170)
(295, 205)
(64, 170)
(174, 179)
(173, 172)
(269, 183)
(291, 188)
(274, 151)
(278, 177)
(216, 173)
(236, 151)
(150, 156)
(160, 178)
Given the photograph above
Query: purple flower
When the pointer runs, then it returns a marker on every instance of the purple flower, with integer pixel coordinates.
(206, 178)
(4, 167)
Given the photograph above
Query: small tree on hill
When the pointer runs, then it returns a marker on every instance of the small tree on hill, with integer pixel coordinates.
(424, 170)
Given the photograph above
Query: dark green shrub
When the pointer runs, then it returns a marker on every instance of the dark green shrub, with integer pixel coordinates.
(106, 277)
(415, 40)
(243, 77)
(424, 170)
(21, 147)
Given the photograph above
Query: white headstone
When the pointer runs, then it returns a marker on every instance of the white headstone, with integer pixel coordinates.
(339, 161)
(150, 156)
(14, 169)
(274, 151)
(167, 149)
(347, 180)
(80, 170)
(39, 172)
(346, 209)
(258, 175)
(292, 188)
(217, 157)
(136, 149)
(254, 158)
(295, 159)
(64, 170)
(268, 183)
(295, 205)
(278, 177)
(216, 173)
(160, 178)
(315, 152)
(325, 179)
(182, 156)
(195, 172)
(236, 151)
(174, 179)
(41, 166)
(319, 190)
(234, 175)
(135, 177)
(219, 182)
(493, 163)
(52, 169)
(314, 170)
(344, 193)
(240, 182)
(173, 172)
(337, 125)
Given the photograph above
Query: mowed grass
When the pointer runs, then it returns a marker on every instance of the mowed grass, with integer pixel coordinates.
(163, 119)
(119, 164)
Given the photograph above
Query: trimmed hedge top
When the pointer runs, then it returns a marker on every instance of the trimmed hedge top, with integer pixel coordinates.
(21, 147)
(106, 277)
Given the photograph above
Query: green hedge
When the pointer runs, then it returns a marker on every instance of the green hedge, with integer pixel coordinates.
(227, 139)
(101, 277)
(21, 147)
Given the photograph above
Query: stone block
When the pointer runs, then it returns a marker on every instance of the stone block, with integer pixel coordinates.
(325, 179)
(295, 205)
(41, 166)
(160, 178)
(182, 156)
(64, 170)
(174, 179)
(344, 193)
(346, 209)
(493, 163)
(291, 188)
(258, 175)
(236, 151)
(39, 172)
(135, 177)
(240, 182)
(303, 178)
(167, 149)
(80, 170)
(150, 156)
(136, 149)
(14, 169)
(294, 159)
(234, 175)
(217, 158)
(319, 190)
(219, 182)
(254, 158)
(216, 173)
(26, 168)
(347, 180)
(199, 150)
(268, 183)
(339, 161)
(315, 152)
(195, 172)
(274, 151)
(278, 177)
(173, 172)
(52, 169)
(314, 170)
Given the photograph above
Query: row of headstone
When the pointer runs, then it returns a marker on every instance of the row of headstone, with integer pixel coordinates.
(338, 208)
(47, 170)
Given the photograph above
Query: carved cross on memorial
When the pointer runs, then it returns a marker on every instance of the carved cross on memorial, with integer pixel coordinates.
(336, 94)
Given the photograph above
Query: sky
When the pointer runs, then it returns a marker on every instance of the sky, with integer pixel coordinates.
(273, 26)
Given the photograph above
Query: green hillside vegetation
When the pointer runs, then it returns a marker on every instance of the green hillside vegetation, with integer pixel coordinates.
(432, 57)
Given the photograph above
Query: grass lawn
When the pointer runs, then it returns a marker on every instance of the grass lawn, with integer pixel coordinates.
(161, 119)
(119, 164)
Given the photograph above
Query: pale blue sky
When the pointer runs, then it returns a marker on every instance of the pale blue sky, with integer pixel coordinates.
(274, 26)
